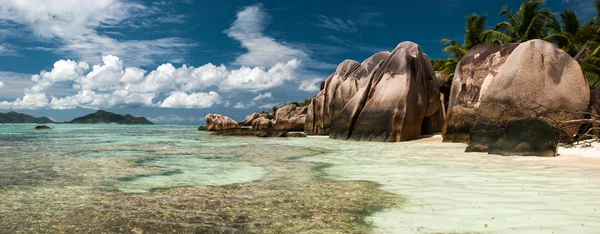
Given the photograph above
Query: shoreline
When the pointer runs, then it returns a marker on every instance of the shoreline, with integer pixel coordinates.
(576, 156)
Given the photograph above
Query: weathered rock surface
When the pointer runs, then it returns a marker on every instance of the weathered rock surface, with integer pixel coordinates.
(359, 78)
(400, 96)
(511, 82)
(516, 100)
(263, 123)
(521, 137)
(480, 63)
(250, 119)
(290, 117)
(537, 80)
(322, 105)
(215, 122)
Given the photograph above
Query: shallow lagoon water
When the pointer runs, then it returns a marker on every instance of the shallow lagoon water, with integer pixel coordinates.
(445, 190)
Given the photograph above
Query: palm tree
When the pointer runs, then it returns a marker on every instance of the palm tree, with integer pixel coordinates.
(474, 28)
(530, 22)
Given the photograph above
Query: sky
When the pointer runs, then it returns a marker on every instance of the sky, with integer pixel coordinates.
(176, 61)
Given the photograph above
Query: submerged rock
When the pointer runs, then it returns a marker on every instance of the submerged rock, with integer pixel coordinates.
(215, 122)
(40, 127)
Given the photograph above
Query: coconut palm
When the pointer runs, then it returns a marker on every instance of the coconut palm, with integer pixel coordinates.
(474, 28)
(531, 21)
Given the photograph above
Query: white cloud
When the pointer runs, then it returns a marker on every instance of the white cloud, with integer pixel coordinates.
(262, 97)
(110, 83)
(241, 105)
(257, 78)
(175, 119)
(29, 101)
(268, 105)
(337, 24)
(311, 85)
(63, 70)
(6, 50)
(92, 100)
(179, 99)
(1, 84)
(75, 24)
(263, 51)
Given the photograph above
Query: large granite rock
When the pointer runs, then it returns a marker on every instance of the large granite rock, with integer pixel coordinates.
(359, 78)
(322, 105)
(400, 102)
(263, 123)
(216, 122)
(290, 117)
(534, 79)
(520, 137)
(537, 80)
(480, 63)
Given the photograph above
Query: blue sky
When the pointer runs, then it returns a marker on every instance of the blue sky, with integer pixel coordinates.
(176, 61)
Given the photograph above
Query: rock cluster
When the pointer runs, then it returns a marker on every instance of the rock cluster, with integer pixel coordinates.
(388, 97)
(289, 117)
(216, 122)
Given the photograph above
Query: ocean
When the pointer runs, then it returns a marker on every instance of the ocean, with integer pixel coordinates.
(170, 178)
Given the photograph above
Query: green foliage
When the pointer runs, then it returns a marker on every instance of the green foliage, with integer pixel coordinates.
(306, 102)
(14, 117)
(274, 109)
(531, 21)
(474, 28)
(108, 117)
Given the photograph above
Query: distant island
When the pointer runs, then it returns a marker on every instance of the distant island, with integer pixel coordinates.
(14, 117)
(105, 117)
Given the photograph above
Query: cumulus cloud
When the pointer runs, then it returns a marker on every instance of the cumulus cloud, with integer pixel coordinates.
(311, 85)
(263, 97)
(111, 83)
(179, 99)
(29, 101)
(257, 78)
(93, 100)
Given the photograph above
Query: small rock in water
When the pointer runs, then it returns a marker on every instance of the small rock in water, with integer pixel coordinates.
(42, 127)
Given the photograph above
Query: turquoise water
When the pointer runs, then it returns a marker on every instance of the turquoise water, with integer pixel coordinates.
(446, 190)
